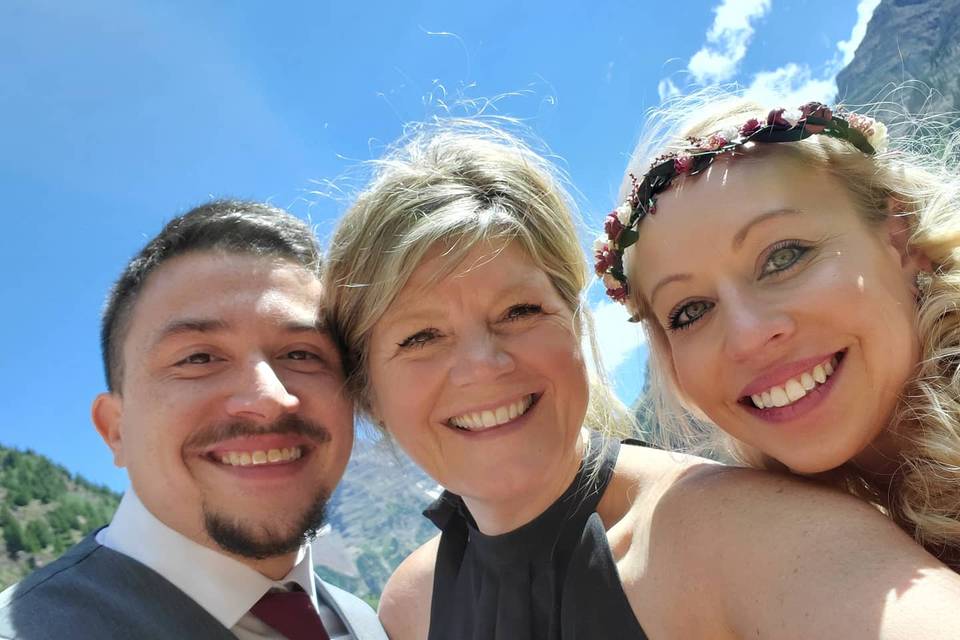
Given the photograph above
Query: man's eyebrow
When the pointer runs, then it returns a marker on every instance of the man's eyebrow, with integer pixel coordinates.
(190, 325)
(317, 326)
(198, 325)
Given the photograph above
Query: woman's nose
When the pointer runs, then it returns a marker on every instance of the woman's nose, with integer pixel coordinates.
(480, 357)
(753, 325)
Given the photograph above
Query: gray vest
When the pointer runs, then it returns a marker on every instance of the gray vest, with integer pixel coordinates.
(92, 592)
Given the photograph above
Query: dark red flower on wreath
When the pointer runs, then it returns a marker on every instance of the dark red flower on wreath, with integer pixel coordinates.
(817, 110)
(604, 260)
(750, 127)
(683, 164)
(613, 226)
(776, 118)
(619, 294)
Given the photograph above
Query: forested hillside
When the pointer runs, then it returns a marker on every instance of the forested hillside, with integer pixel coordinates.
(44, 509)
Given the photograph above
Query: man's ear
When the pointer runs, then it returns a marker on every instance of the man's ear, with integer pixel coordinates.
(106, 412)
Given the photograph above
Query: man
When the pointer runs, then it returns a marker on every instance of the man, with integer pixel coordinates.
(225, 404)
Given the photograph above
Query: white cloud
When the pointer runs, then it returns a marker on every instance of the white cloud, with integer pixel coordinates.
(791, 85)
(617, 338)
(727, 40)
(847, 48)
(794, 84)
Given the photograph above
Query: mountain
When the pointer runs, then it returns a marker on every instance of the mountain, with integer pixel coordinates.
(912, 42)
(374, 518)
(44, 509)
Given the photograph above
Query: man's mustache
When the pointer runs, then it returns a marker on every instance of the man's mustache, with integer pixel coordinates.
(287, 425)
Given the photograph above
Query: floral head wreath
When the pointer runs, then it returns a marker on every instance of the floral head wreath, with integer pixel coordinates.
(780, 125)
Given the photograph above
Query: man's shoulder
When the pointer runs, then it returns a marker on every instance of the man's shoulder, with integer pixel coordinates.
(94, 592)
(44, 580)
(54, 587)
(359, 615)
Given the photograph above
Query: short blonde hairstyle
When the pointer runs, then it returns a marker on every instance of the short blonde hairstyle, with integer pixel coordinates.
(920, 176)
(454, 183)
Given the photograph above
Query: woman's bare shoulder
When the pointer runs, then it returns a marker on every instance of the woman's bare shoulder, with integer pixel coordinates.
(765, 554)
(405, 603)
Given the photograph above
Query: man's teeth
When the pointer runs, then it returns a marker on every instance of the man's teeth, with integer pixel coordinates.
(795, 388)
(492, 417)
(267, 456)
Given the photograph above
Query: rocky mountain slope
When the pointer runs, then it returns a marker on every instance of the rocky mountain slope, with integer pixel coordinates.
(374, 519)
(916, 42)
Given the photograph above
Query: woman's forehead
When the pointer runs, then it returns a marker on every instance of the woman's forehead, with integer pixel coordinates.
(486, 266)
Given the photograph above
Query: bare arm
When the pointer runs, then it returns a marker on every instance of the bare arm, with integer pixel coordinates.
(757, 555)
(405, 603)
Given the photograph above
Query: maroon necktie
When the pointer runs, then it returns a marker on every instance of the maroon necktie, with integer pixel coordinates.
(292, 614)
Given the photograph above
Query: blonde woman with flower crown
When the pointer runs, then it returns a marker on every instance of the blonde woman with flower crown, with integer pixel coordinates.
(455, 287)
(799, 285)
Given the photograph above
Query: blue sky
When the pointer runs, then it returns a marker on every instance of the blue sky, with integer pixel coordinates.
(117, 115)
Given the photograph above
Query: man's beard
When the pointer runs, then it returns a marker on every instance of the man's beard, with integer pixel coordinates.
(255, 540)
(261, 541)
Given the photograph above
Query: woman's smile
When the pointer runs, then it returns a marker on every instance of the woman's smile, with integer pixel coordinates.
(798, 395)
(480, 420)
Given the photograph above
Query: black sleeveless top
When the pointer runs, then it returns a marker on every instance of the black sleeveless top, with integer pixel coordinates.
(552, 579)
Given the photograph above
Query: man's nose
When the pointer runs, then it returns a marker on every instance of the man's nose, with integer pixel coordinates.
(480, 357)
(261, 395)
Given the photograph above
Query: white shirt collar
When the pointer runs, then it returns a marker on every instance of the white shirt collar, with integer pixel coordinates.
(225, 587)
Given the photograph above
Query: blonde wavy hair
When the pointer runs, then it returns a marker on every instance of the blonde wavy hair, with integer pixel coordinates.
(919, 174)
(455, 183)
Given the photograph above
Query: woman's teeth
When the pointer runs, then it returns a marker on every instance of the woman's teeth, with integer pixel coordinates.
(796, 387)
(268, 456)
(480, 420)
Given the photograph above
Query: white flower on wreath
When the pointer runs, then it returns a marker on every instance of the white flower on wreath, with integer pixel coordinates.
(877, 136)
(626, 259)
(730, 133)
(792, 116)
(624, 211)
(610, 282)
(600, 244)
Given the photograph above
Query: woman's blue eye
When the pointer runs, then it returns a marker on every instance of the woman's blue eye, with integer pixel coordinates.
(419, 339)
(782, 258)
(686, 314)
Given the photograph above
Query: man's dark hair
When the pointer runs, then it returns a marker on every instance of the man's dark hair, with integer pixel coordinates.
(232, 226)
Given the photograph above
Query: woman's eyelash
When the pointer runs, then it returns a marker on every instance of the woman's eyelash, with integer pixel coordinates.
(790, 252)
(518, 311)
(687, 313)
(419, 339)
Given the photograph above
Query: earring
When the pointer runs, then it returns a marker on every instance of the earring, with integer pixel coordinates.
(923, 280)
